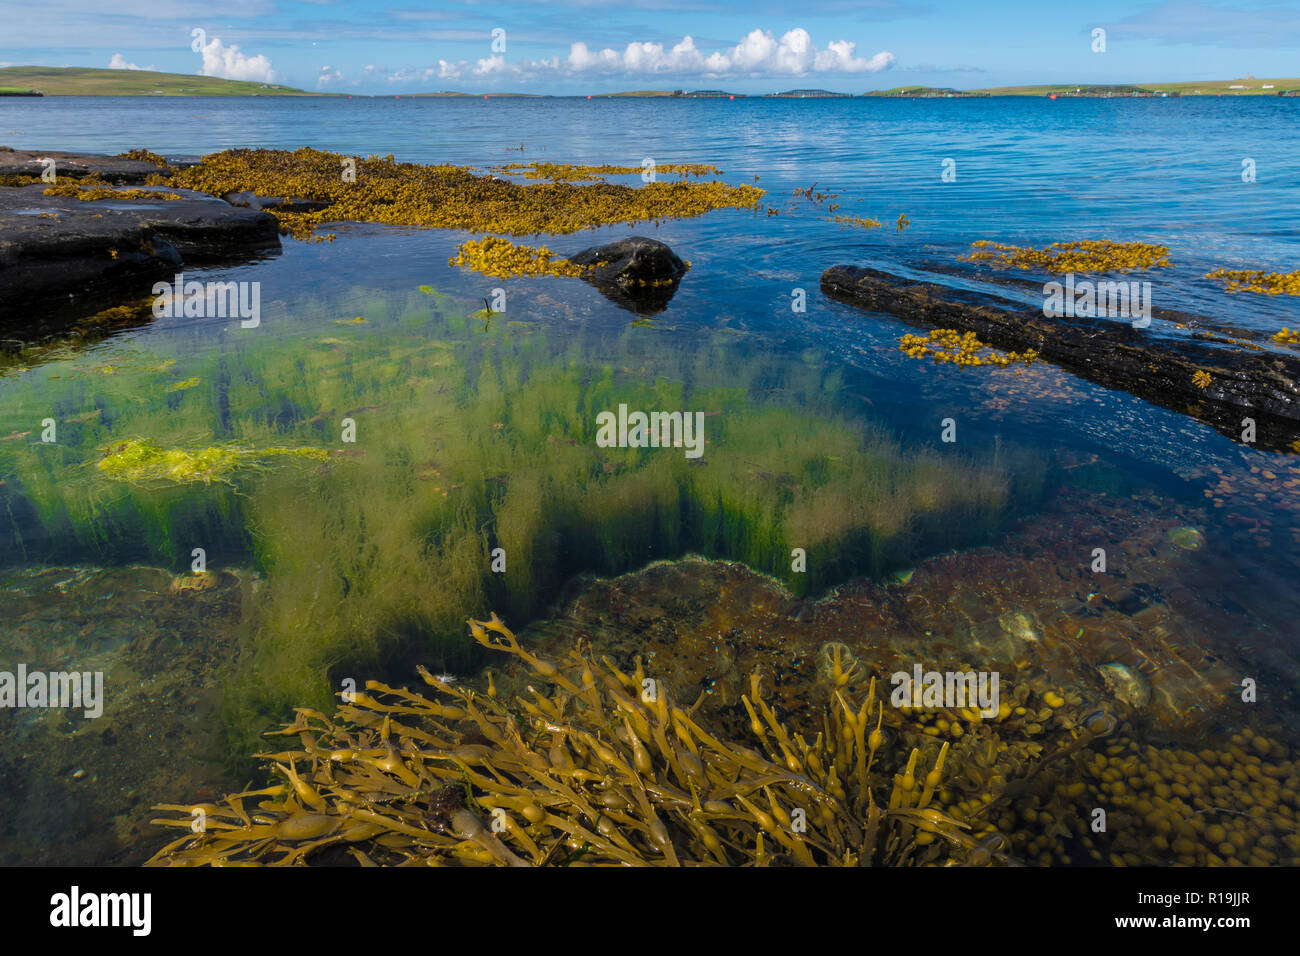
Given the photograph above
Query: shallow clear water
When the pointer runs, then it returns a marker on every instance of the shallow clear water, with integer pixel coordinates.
(468, 424)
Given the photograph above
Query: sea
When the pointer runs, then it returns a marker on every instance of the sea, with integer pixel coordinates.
(1082, 542)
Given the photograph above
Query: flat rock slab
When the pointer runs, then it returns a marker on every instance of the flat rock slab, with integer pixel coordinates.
(56, 248)
(113, 169)
(1263, 385)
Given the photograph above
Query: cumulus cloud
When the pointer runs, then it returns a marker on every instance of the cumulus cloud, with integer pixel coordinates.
(228, 63)
(495, 65)
(759, 54)
(118, 62)
(328, 75)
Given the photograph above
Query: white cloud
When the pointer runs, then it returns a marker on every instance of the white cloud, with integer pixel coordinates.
(759, 54)
(328, 75)
(227, 62)
(118, 62)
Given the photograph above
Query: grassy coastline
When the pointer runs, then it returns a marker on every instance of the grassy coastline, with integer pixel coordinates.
(87, 81)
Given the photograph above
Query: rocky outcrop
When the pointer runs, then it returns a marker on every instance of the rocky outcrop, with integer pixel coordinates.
(60, 249)
(1212, 383)
(113, 169)
(638, 274)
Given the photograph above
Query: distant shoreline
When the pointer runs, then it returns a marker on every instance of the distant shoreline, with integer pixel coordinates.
(79, 81)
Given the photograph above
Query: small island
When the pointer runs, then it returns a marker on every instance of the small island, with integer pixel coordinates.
(808, 95)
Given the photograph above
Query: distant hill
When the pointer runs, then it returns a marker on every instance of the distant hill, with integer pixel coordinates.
(89, 81)
(1245, 87)
(926, 91)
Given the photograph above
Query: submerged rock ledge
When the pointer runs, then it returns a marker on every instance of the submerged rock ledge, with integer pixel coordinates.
(1261, 385)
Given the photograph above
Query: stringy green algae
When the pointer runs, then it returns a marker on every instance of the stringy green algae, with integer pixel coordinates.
(469, 437)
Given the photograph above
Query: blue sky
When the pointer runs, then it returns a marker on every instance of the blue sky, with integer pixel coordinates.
(591, 46)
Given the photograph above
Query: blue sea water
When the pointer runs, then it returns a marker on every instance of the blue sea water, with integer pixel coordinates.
(1029, 171)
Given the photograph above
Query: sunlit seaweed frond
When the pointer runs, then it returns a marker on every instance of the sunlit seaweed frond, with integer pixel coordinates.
(1100, 255)
(92, 193)
(145, 156)
(1267, 283)
(953, 347)
(494, 256)
(448, 197)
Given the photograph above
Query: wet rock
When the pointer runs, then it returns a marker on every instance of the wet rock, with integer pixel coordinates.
(250, 200)
(638, 274)
(1210, 383)
(19, 162)
(56, 248)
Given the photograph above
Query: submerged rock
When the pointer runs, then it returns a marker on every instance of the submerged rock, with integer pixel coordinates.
(638, 274)
(1213, 384)
(1127, 684)
(1187, 538)
(1018, 625)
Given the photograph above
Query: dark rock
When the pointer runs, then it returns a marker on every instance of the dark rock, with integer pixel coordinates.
(637, 273)
(1263, 385)
(53, 248)
(113, 169)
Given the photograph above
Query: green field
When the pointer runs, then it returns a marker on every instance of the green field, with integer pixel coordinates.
(79, 81)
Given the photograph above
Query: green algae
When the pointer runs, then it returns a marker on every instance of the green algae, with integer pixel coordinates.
(140, 460)
(471, 444)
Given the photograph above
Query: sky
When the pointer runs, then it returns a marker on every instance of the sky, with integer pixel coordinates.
(566, 47)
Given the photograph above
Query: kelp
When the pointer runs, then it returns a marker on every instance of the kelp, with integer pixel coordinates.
(446, 196)
(1256, 280)
(950, 346)
(595, 766)
(1088, 255)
